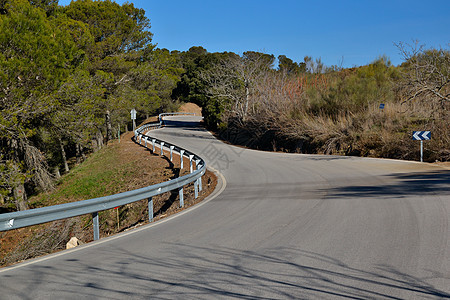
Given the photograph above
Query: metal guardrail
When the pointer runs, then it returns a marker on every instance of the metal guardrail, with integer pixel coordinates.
(174, 114)
(14, 220)
(160, 116)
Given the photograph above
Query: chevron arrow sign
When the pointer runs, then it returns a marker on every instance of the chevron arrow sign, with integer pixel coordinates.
(421, 135)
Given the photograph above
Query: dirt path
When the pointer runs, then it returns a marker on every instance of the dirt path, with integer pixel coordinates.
(191, 108)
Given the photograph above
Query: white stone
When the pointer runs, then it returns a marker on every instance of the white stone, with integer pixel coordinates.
(72, 243)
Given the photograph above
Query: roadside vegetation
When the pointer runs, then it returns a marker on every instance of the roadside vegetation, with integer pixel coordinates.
(69, 76)
(307, 107)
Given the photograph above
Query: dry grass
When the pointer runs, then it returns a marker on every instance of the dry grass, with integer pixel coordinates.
(322, 119)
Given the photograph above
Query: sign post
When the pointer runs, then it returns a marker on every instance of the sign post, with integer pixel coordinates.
(133, 117)
(421, 136)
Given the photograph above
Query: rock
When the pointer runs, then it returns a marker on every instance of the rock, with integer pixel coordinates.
(73, 243)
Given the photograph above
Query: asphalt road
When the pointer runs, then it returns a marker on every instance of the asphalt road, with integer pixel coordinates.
(285, 226)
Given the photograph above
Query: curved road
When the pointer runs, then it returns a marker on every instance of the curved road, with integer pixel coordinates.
(285, 226)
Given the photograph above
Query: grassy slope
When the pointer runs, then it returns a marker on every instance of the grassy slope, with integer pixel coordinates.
(97, 175)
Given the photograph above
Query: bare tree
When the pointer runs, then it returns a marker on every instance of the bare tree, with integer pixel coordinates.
(427, 73)
(234, 80)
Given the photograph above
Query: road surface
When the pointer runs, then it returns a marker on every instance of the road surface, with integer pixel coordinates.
(284, 226)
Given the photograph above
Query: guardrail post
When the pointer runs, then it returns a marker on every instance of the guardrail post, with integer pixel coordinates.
(171, 152)
(191, 168)
(153, 143)
(150, 209)
(162, 151)
(198, 166)
(96, 226)
(180, 194)
(145, 139)
(196, 189)
(181, 159)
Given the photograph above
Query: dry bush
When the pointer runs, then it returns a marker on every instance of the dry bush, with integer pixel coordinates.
(45, 239)
(299, 118)
(334, 113)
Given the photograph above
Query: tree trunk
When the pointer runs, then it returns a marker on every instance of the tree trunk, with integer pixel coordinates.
(20, 196)
(63, 155)
(18, 188)
(80, 150)
(57, 173)
(109, 135)
(99, 139)
(77, 154)
(247, 97)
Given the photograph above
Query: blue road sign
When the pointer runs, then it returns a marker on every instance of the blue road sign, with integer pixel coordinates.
(382, 106)
(421, 135)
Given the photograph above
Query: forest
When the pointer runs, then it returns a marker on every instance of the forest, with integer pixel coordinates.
(69, 76)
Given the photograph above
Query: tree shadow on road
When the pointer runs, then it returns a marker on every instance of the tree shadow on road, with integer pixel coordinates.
(403, 185)
(190, 124)
(193, 272)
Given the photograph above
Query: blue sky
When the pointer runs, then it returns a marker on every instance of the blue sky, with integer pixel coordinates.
(355, 32)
